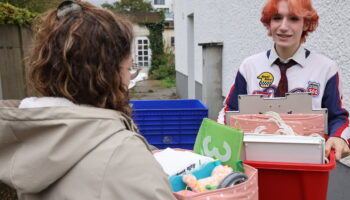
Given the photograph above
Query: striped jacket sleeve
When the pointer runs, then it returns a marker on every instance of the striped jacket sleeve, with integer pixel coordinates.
(338, 117)
(231, 102)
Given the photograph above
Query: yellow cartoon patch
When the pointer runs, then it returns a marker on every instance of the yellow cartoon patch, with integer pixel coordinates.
(266, 79)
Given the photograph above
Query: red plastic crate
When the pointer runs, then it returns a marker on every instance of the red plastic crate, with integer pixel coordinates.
(293, 181)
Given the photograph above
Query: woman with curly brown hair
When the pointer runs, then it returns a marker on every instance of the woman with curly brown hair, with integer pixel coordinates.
(76, 140)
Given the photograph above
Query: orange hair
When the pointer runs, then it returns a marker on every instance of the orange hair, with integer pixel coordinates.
(300, 8)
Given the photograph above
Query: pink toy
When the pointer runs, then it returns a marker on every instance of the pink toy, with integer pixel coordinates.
(218, 173)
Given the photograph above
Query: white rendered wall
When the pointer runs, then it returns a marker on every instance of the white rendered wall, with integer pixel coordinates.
(167, 34)
(237, 24)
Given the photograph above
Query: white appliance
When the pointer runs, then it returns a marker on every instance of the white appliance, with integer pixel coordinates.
(283, 148)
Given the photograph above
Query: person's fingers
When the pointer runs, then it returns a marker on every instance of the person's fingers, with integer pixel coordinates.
(327, 152)
(339, 145)
(338, 152)
(329, 145)
(346, 151)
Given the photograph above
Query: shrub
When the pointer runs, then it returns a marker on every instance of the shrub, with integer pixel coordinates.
(12, 15)
(168, 82)
(165, 67)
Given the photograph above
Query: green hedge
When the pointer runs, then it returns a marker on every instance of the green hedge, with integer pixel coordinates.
(10, 14)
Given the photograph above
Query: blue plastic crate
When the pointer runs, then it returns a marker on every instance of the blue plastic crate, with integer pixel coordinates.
(174, 107)
(168, 105)
(177, 111)
(170, 132)
(174, 141)
(171, 139)
(168, 126)
(182, 146)
(169, 123)
(147, 116)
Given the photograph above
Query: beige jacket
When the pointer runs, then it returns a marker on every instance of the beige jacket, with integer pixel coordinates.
(76, 153)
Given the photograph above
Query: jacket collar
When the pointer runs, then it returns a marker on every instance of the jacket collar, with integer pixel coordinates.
(300, 56)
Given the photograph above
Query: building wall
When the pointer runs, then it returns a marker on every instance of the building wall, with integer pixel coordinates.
(167, 4)
(140, 30)
(167, 34)
(236, 24)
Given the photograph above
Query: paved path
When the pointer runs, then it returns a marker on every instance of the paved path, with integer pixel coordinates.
(150, 89)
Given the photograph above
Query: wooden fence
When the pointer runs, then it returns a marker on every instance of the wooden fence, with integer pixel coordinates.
(15, 41)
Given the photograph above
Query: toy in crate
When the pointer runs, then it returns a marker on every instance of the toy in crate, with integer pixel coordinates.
(291, 165)
(205, 178)
(169, 123)
(219, 183)
(213, 180)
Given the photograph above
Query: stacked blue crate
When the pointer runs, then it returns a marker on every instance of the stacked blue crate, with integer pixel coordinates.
(169, 123)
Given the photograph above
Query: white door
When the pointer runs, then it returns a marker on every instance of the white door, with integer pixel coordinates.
(143, 52)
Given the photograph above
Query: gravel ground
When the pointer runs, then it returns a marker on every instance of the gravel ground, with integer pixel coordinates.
(150, 89)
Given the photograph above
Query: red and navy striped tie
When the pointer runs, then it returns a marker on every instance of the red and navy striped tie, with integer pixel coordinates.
(282, 88)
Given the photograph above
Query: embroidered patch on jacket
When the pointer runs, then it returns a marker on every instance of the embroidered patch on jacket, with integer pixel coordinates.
(297, 90)
(266, 92)
(313, 88)
(266, 79)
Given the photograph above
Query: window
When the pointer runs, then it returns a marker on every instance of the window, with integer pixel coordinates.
(159, 2)
(143, 53)
(169, 24)
(172, 41)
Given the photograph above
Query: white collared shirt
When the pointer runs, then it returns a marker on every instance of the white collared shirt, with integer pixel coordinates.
(313, 73)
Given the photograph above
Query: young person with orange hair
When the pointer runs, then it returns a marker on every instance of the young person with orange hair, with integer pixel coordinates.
(289, 67)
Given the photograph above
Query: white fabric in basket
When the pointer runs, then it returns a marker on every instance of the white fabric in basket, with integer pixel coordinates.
(180, 162)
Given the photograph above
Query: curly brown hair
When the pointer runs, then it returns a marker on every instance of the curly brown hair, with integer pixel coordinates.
(78, 57)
